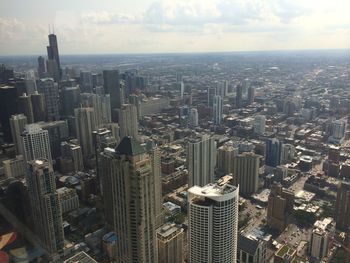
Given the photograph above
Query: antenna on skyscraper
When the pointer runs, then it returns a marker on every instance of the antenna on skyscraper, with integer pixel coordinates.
(49, 29)
(53, 29)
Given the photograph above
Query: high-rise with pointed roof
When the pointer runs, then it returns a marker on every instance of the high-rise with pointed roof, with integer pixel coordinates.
(129, 199)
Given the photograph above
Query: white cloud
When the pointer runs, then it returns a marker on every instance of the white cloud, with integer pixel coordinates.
(191, 25)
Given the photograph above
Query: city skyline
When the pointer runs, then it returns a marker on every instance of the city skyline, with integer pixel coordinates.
(174, 26)
(175, 157)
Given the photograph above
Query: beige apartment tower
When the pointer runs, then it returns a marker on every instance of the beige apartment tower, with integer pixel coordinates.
(246, 172)
(280, 207)
(226, 153)
(129, 199)
(170, 240)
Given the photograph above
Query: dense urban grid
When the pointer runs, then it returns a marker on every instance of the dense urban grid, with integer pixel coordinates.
(171, 158)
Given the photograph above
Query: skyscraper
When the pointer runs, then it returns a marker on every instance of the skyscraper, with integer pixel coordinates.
(251, 248)
(129, 199)
(25, 107)
(41, 67)
(8, 107)
(201, 158)
(17, 123)
(342, 206)
(73, 151)
(211, 92)
(259, 124)
(222, 88)
(101, 105)
(273, 152)
(182, 89)
(155, 154)
(226, 153)
(38, 104)
(287, 153)
(239, 96)
(36, 143)
(280, 207)
(246, 172)
(251, 94)
(112, 87)
(58, 132)
(54, 64)
(50, 90)
(170, 239)
(193, 118)
(86, 82)
(128, 123)
(85, 125)
(217, 110)
(46, 209)
(321, 238)
(213, 222)
(70, 100)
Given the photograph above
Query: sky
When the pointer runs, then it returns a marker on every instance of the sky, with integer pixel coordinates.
(151, 26)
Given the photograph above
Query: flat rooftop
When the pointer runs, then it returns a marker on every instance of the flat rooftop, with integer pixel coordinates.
(221, 190)
(168, 230)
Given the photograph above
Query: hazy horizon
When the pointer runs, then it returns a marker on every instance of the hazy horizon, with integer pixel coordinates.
(281, 51)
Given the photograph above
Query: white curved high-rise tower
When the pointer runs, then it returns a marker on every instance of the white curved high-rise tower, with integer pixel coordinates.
(213, 222)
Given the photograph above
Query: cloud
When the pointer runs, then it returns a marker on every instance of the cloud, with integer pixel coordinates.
(186, 25)
(105, 17)
(180, 15)
(287, 10)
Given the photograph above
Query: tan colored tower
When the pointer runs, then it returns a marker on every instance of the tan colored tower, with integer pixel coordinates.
(280, 207)
(225, 158)
(246, 172)
(170, 243)
(156, 171)
(46, 209)
(129, 199)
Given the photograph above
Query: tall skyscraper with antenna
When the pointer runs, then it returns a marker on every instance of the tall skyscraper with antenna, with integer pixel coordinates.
(53, 63)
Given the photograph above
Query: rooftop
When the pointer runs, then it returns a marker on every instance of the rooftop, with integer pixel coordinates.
(247, 245)
(129, 146)
(168, 230)
(81, 257)
(221, 190)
